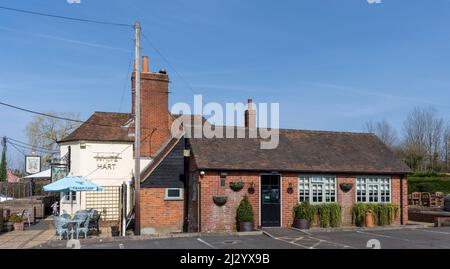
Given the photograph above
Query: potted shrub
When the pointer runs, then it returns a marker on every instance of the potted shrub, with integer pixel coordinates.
(303, 215)
(244, 216)
(17, 222)
(115, 231)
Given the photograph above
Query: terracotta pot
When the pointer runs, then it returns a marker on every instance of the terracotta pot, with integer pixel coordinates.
(246, 226)
(19, 226)
(369, 219)
(301, 224)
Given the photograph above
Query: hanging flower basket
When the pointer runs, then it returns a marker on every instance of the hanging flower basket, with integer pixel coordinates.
(346, 187)
(290, 189)
(251, 189)
(237, 186)
(220, 200)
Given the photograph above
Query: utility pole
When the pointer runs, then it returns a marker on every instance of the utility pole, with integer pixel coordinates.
(137, 132)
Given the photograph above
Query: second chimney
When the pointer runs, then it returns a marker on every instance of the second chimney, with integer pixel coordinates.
(250, 115)
(145, 67)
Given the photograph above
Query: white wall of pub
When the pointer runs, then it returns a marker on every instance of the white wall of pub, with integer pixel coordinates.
(103, 163)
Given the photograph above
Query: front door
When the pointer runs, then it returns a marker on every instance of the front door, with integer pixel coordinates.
(270, 201)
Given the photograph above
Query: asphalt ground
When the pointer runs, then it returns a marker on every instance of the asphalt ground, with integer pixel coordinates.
(283, 238)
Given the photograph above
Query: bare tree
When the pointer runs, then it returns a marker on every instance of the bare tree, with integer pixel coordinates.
(423, 135)
(383, 130)
(45, 132)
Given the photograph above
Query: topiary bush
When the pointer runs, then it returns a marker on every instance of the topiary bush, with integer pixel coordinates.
(244, 212)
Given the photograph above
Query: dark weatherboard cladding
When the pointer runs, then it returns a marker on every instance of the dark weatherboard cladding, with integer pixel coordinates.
(169, 171)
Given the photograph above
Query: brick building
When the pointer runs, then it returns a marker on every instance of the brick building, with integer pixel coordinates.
(186, 173)
(181, 175)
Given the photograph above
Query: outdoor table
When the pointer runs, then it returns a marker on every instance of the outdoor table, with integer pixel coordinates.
(73, 224)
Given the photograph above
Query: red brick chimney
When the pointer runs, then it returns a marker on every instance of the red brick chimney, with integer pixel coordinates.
(154, 108)
(250, 115)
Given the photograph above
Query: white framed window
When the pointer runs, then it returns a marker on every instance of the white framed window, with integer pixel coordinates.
(173, 194)
(373, 189)
(69, 197)
(317, 189)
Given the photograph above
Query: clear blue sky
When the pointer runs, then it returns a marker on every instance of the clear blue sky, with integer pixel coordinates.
(332, 65)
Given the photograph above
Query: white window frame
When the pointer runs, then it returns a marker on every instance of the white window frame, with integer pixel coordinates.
(166, 194)
(71, 196)
(310, 188)
(377, 183)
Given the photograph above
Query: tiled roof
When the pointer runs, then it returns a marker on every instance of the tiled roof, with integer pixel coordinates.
(103, 126)
(300, 151)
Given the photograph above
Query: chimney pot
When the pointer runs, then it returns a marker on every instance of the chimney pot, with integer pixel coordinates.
(145, 65)
(250, 104)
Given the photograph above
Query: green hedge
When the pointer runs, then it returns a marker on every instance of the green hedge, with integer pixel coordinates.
(429, 184)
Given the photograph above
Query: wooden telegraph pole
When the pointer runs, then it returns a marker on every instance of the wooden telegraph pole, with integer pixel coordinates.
(137, 133)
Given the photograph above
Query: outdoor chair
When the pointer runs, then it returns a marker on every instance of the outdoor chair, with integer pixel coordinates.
(95, 219)
(83, 227)
(82, 214)
(439, 194)
(425, 199)
(66, 216)
(61, 226)
(416, 198)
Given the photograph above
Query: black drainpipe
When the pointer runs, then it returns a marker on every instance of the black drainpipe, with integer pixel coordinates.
(401, 200)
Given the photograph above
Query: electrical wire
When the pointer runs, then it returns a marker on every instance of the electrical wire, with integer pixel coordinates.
(33, 148)
(126, 80)
(168, 63)
(64, 17)
(28, 145)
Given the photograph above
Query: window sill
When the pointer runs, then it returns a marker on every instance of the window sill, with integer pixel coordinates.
(173, 199)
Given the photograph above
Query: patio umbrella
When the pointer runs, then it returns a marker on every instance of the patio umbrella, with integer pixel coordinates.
(71, 184)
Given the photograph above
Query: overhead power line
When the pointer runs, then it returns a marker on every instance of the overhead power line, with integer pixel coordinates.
(168, 63)
(56, 117)
(65, 17)
(27, 144)
(64, 118)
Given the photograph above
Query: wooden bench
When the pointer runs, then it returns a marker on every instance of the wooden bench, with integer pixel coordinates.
(442, 221)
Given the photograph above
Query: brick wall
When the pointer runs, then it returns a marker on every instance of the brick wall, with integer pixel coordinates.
(158, 215)
(396, 197)
(215, 218)
(346, 200)
(154, 111)
(223, 218)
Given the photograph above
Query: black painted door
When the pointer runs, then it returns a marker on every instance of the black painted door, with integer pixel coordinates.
(270, 201)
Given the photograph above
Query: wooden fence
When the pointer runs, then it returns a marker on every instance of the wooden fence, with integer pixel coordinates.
(22, 189)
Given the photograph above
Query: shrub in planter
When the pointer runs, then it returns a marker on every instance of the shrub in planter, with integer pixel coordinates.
(17, 222)
(382, 213)
(303, 215)
(237, 186)
(244, 216)
(329, 215)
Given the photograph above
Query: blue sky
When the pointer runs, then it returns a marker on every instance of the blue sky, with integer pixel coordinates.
(332, 65)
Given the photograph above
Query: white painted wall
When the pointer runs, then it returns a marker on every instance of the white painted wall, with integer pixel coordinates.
(104, 163)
